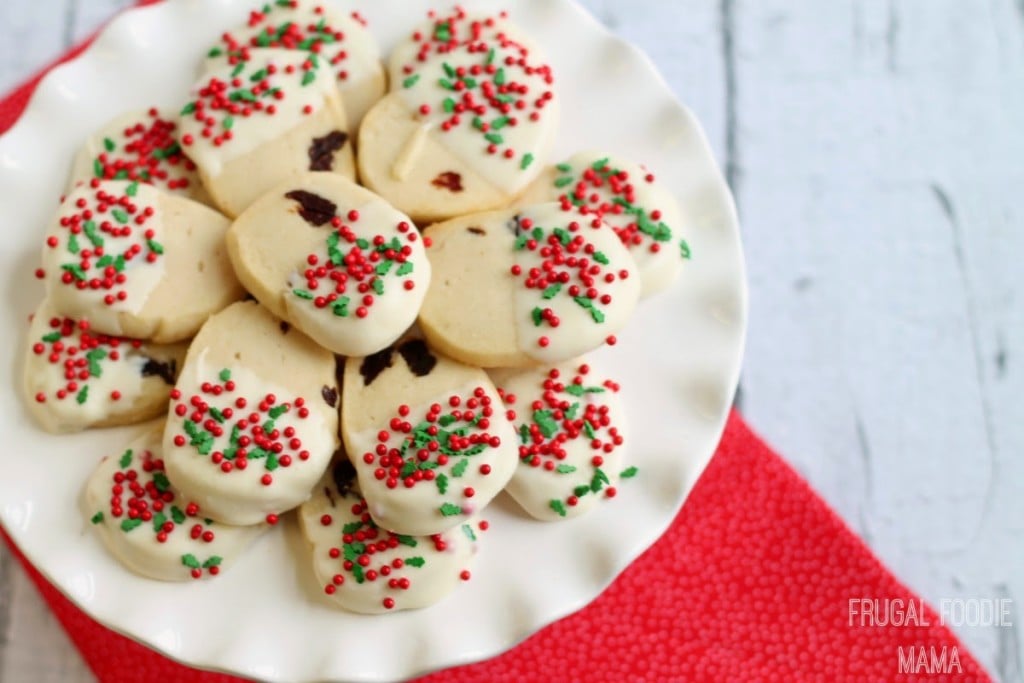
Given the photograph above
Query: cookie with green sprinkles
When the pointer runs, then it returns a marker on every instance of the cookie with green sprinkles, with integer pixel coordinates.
(570, 422)
(442, 32)
(253, 420)
(148, 526)
(76, 378)
(339, 41)
(630, 198)
(367, 569)
(333, 259)
(139, 145)
(136, 261)
(428, 438)
(252, 124)
(558, 284)
(468, 132)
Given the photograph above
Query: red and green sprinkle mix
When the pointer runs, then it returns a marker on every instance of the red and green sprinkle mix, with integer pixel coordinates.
(236, 434)
(324, 43)
(357, 269)
(148, 153)
(451, 30)
(569, 266)
(565, 413)
(82, 355)
(439, 450)
(88, 227)
(609, 193)
(142, 499)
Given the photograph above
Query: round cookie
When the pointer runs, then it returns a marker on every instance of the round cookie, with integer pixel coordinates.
(76, 378)
(137, 262)
(427, 436)
(570, 423)
(339, 42)
(629, 198)
(333, 259)
(558, 284)
(253, 421)
(149, 526)
(370, 570)
(139, 145)
(468, 132)
(252, 125)
(441, 33)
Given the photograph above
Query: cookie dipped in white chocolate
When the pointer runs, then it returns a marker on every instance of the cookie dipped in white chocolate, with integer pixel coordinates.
(254, 124)
(369, 570)
(76, 379)
(443, 32)
(253, 420)
(335, 260)
(137, 262)
(560, 284)
(139, 145)
(337, 42)
(428, 438)
(149, 526)
(639, 207)
(468, 132)
(570, 422)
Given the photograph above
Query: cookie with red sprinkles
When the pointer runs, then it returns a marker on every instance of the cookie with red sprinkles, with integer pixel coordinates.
(339, 42)
(570, 422)
(139, 145)
(559, 284)
(148, 526)
(467, 132)
(76, 378)
(442, 32)
(630, 198)
(253, 420)
(251, 124)
(333, 259)
(138, 262)
(428, 437)
(367, 569)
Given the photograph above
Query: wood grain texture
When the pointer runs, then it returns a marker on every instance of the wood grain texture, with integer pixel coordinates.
(875, 148)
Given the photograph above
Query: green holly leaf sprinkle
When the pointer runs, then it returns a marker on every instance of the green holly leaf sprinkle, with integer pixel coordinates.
(460, 468)
(75, 270)
(411, 81)
(629, 473)
(588, 429)
(120, 215)
(494, 138)
(340, 307)
(351, 528)
(357, 572)
(132, 189)
(527, 161)
(126, 459)
(190, 561)
(378, 287)
(558, 506)
(303, 294)
(601, 258)
(278, 410)
(468, 530)
(272, 462)
(581, 491)
(73, 244)
(450, 510)
(442, 483)
(93, 235)
(552, 291)
(548, 425)
(538, 316)
(684, 249)
(119, 263)
(129, 524)
(177, 515)
(407, 540)
(308, 77)
(564, 167)
(159, 519)
(94, 357)
(415, 561)
(190, 108)
(563, 181)
(600, 164)
(213, 561)
(565, 469)
(405, 268)
(97, 518)
(225, 375)
(161, 482)
(83, 395)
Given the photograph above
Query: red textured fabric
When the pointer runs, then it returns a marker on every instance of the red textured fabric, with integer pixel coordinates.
(751, 583)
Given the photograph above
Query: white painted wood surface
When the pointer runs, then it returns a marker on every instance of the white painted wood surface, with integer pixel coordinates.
(876, 148)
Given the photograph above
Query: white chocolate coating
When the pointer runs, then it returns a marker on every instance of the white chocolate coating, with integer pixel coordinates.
(239, 469)
(354, 288)
(404, 572)
(345, 47)
(640, 208)
(570, 450)
(146, 523)
(113, 380)
(425, 471)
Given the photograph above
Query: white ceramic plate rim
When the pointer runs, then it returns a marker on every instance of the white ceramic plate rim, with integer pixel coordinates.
(694, 333)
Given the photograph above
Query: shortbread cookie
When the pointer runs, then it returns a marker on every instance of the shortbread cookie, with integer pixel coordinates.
(139, 145)
(333, 259)
(252, 125)
(427, 436)
(558, 284)
(370, 570)
(253, 421)
(337, 41)
(629, 198)
(468, 132)
(76, 378)
(570, 423)
(137, 262)
(149, 526)
(442, 33)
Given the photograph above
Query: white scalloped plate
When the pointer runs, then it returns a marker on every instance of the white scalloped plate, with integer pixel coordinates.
(678, 362)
